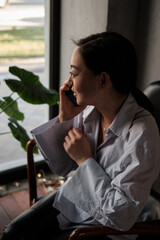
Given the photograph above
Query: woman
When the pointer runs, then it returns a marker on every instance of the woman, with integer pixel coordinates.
(109, 139)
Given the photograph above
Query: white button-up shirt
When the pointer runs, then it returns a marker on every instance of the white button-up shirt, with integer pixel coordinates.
(112, 187)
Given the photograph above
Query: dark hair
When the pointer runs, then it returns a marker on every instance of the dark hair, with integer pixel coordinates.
(112, 53)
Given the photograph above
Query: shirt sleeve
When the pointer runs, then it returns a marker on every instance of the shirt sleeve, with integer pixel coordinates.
(116, 202)
(49, 138)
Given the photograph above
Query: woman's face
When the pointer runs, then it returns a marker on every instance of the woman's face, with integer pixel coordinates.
(84, 82)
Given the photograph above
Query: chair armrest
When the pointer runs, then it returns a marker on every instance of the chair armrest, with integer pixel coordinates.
(31, 172)
(140, 228)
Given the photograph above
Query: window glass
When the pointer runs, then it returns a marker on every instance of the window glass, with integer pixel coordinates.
(22, 45)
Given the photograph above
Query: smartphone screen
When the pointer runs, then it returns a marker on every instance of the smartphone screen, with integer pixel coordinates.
(71, 96)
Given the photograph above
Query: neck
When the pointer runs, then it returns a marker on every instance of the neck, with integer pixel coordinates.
(110, 111)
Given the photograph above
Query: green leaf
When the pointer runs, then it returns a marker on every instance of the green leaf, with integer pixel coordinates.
(10, 107)
(30, 89)
(18, 132)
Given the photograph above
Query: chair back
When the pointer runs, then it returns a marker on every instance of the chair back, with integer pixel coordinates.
(153, 93)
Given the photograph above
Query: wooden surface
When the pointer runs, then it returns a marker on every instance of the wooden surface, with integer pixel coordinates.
(13, 204)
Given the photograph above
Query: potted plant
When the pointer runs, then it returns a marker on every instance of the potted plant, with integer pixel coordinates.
(30, 89)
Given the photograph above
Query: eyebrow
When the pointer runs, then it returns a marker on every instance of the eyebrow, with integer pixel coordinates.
(73, 66)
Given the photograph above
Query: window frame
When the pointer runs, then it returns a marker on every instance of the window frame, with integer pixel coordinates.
(20, 172)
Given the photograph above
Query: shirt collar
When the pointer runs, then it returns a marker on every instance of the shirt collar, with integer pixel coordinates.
(90, 113)
(121, 124)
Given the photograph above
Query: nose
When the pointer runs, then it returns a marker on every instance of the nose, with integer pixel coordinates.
(70, 82)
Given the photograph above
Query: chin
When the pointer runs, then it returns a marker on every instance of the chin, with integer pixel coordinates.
(81, 103)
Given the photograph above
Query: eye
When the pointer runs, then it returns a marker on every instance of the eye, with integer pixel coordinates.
(72, 74)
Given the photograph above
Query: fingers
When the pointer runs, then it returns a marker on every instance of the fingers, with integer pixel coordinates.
(73, 136)
(65, 87)
(72, 139)
(76, 131)
(67, 109)
(77, 146)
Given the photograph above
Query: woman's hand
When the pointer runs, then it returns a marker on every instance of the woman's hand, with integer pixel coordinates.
(67, 109)
(77, 146)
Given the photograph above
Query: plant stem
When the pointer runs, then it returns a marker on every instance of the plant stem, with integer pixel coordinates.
(4, 133)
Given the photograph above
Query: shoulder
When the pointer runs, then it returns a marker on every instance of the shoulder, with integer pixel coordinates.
(144, 129)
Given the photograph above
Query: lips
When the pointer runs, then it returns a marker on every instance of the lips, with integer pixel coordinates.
(74, 93)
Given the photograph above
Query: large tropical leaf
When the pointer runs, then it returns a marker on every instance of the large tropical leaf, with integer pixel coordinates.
(30, 89)
(10, 107)
(19, 133)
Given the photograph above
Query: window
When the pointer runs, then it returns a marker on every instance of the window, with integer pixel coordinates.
(23, 45)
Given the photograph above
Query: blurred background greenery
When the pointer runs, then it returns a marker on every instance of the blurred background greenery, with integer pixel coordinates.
(21, 43)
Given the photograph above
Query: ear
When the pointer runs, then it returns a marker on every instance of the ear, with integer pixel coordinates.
(104, 79)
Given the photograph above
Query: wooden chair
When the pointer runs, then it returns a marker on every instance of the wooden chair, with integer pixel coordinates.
(31, 172)
(142, 229)
(32, 175)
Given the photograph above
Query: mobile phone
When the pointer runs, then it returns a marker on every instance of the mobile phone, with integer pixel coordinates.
(71, 96)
